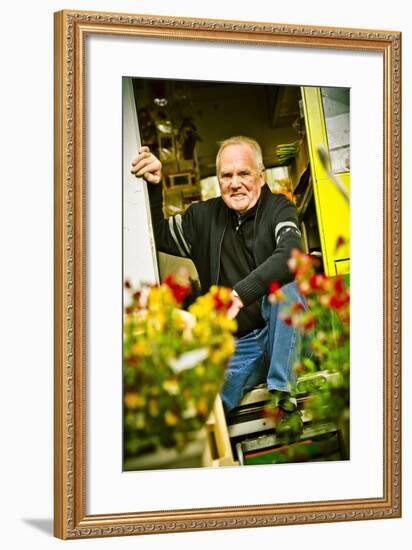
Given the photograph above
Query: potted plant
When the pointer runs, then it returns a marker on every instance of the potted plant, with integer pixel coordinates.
(174, 366)
(325, 325)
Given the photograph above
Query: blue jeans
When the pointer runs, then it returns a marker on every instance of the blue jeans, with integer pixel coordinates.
(265, 355)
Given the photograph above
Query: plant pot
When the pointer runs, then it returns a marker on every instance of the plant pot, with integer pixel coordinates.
(190, 457)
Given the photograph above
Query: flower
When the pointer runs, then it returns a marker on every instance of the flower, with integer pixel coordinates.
(179, 287)
(222, 299)
(133, 400)
(318, 282)
(188, 360)
(309, 322)
(171, 386)
(174, 362)
(325, 324)
(275, 294)
(170, 418)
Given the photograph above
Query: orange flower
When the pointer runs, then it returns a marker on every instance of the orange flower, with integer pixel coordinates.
(131, 400)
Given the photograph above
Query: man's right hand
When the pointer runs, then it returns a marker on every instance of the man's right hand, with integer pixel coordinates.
(147, 166)
(236, 306)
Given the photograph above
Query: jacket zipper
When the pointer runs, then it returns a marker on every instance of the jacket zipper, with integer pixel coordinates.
(254, 239)
(254, 228)
(220, 252)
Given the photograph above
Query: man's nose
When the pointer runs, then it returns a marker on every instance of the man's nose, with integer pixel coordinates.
(235, 182)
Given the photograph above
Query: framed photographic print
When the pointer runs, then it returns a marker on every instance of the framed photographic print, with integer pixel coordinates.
(144, 329)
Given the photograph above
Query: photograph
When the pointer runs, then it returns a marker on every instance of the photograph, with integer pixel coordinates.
(206, 337)
(236, 318)
(227, 274)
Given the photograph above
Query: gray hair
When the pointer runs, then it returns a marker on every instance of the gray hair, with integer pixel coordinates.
(242, 140)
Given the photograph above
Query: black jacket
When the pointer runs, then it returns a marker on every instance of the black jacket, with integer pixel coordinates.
(198, 235)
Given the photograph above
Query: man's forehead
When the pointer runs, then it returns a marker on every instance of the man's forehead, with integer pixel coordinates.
(234, 152)
(237, 147)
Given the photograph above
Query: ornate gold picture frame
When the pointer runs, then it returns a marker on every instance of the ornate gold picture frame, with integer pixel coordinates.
(71, 516)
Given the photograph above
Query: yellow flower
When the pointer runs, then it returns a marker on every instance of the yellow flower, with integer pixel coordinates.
(190, 410)
(228, 345)
(140, 421)
(154, 299)
(227, 324)
(170, 418)
(164, 337)
(218, 356)
(178, 320)
(200, 370)
(202, 406)
(141, 347)
(133, 400)
(171, 386)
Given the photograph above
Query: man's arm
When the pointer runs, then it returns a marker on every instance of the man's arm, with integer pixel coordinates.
(147, 166)
(172, 235)
(275, 267)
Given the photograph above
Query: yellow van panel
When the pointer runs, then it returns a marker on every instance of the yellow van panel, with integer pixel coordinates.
(332, 209)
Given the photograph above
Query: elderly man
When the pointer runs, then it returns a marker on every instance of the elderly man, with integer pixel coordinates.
(241, 240)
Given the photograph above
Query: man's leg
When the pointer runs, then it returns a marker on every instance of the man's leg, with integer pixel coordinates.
(246, 369)
(284, 343)
(284, 347)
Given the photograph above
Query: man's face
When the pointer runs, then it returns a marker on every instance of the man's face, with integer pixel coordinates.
(240, 181)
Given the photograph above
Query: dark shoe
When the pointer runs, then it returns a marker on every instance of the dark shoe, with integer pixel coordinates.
(289, 421)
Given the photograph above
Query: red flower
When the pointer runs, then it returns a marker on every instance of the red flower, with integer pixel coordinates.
(286, 319)
(338, 285)
(337, 302)
(274, 287)
(317, 281)
(297, 307)
(309, 322)
(221, 305)
(275, 294)
(179, 291)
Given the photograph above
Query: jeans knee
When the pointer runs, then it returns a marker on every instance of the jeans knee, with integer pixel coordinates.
(292, 294)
